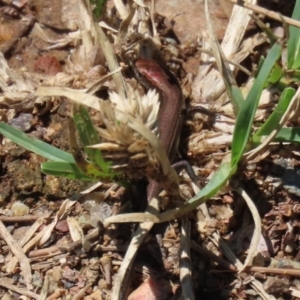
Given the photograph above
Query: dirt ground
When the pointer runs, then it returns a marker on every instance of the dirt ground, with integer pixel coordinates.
(63, 266)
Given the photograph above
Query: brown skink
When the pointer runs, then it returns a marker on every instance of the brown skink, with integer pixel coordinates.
(170, 113)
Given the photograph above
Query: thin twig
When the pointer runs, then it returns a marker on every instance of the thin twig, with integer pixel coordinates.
(215, 238)
(218, 241)
(277, 271)
(105, 261)
(121, 8)
(13, 260)
(269, 13)
(81, 293)
(56, 250)
(45, 288)
(208, 255)
(19, 219)
(14, 288)
(258, 287)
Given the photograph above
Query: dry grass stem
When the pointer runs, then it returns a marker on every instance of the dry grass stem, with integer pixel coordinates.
(208, 255)
(208, 81)
(112, 62)
(276, 271)
(45, 288)
(21, 219)
(82, 292)
(185, 271)
(12, 261)
(12, 287)
(121, 8)
(257, 229)
(295, 293)
(128, 134)
(217, 240)
(266, 12)
(119, 289)
(258, 287)
(19, 253)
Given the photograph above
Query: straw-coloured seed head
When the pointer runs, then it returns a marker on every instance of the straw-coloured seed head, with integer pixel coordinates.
(127, 149)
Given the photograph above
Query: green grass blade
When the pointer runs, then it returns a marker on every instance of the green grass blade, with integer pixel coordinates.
(275, 75)
(84, 125)
(266, 29)
(222, 63)
(245, 117)
(293, 44)
(218, 180)
(64, 169)
(99, 5)
(288, 134)
(274, 119)
(87, 133)
(89, 136)
(34, 145)
(237, 98)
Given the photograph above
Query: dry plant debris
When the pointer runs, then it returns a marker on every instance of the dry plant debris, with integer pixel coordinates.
(58, 240)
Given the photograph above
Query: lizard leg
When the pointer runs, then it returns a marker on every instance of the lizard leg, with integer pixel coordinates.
(185, 165)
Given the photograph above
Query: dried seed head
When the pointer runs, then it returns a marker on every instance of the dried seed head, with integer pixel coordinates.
(128, 150)
(144, 108)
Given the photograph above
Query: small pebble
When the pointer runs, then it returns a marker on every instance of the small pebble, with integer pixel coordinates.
(48, 65)
(22, 122)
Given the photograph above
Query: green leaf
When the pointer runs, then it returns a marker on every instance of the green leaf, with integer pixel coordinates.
(259, 65)
(237, 98)
(245, 117)
(84, 125)
(293, 44)
(97, 167)
(294, 75)
(288, 134)
(273, 121)
(99, 5)
(275, 75)
(34, 145)
(266, 29)
(218, 180)
(64, 169)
